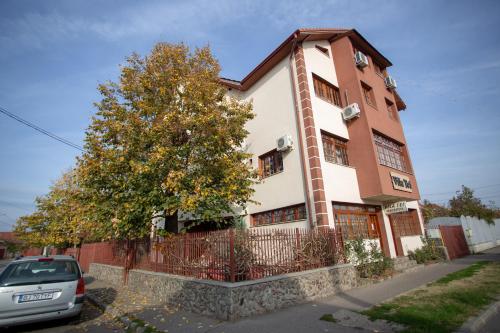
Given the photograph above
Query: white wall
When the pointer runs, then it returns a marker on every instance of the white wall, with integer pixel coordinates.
(411, 243)
(274, 117)
(340, 182)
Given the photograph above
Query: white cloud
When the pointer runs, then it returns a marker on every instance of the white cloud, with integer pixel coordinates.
(193, 19)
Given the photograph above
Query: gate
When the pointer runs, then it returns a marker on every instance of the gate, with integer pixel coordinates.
(454, 240)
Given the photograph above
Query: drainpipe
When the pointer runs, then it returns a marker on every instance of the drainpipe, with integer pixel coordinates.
(299, 130)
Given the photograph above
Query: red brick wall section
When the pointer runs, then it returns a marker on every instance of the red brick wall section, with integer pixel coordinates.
(320, 212)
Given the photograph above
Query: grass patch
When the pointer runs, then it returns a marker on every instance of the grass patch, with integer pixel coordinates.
(464, 273)
(446, 304)
(328, 317)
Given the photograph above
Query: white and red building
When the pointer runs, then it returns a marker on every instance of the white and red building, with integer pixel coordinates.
(328, 170)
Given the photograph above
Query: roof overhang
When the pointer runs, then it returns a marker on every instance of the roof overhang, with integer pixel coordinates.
(298, 36)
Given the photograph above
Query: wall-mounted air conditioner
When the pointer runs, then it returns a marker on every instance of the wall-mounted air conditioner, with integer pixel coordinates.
(360, 59)
(390, 83)
(351, 111)
(284, 143)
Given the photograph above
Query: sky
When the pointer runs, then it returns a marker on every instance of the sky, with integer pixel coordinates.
(53, 54)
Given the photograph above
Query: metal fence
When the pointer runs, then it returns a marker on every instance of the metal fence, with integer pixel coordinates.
(227, 255)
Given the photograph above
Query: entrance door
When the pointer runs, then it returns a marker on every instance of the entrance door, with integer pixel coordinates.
(358, 221)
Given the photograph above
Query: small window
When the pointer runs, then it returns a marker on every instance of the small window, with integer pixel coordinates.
(326, 91)
(368, 94)
(335, 149)
(280, 215)
(323, 50)
(270, 163)
(391, 110)
(378, 69)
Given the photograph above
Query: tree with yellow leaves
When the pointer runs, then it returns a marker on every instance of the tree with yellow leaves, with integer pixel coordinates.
(165, 140)
(61, 218)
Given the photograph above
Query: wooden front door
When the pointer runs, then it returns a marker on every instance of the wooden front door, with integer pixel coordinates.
(404, 224)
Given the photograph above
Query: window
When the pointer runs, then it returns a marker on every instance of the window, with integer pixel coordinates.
(356, 221)
(270, 163)
(36, 272)
(326, 91)
(280, 215)
(378, 69)
(335, 149)
(390, 153)
(368, 94)
(322, 50)
(405, 224)
(391, 109)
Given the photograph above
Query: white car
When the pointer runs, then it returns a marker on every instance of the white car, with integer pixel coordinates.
(40, 288)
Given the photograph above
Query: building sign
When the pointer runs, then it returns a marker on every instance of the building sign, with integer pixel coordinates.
(400, 182)
(397, 207)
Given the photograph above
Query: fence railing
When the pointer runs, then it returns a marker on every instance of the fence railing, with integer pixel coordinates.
(227, 255)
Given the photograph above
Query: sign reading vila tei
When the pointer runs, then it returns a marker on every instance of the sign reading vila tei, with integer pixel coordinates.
(400, 182)
(397, 207)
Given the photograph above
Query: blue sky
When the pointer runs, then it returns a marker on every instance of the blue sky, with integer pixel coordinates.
(54, 53)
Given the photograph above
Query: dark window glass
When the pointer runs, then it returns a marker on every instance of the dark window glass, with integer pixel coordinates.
(391, 110)
(335, 149)
(39, 272)
(271, 163)
(280, 215)
(368, 94)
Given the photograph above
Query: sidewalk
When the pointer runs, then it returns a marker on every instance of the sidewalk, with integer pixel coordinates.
(300, 318)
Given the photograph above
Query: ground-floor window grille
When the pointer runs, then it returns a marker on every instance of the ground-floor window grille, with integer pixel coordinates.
(280, 215)
(356, 221)
(406, 224)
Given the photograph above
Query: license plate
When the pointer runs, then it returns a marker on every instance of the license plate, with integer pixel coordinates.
(35, 297)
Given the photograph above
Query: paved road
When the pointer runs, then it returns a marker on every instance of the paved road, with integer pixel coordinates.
(493, 325)
(91, 320)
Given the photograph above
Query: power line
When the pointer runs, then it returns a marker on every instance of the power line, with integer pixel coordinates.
(481, 198)
(41, 130)
(474, 189)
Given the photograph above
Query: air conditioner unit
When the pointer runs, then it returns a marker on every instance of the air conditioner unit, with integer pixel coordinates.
(390, 83)
(351, 111)
(284, 143)
(360, 59)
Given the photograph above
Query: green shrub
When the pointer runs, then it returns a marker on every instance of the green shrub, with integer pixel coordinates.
(370, 262)
(428, 252)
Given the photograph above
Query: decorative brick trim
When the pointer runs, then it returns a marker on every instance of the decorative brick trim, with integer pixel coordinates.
(320, 210)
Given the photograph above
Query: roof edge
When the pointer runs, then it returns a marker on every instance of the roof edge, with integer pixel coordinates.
(285, 47)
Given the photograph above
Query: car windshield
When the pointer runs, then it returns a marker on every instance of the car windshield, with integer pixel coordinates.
(39, 272)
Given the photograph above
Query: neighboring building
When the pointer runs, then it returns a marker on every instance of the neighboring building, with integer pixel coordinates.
(336, 172)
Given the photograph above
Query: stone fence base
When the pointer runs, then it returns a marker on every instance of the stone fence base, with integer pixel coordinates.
(230, 301)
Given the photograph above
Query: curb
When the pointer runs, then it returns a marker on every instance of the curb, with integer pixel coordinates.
(475, 324)
(131, 325)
